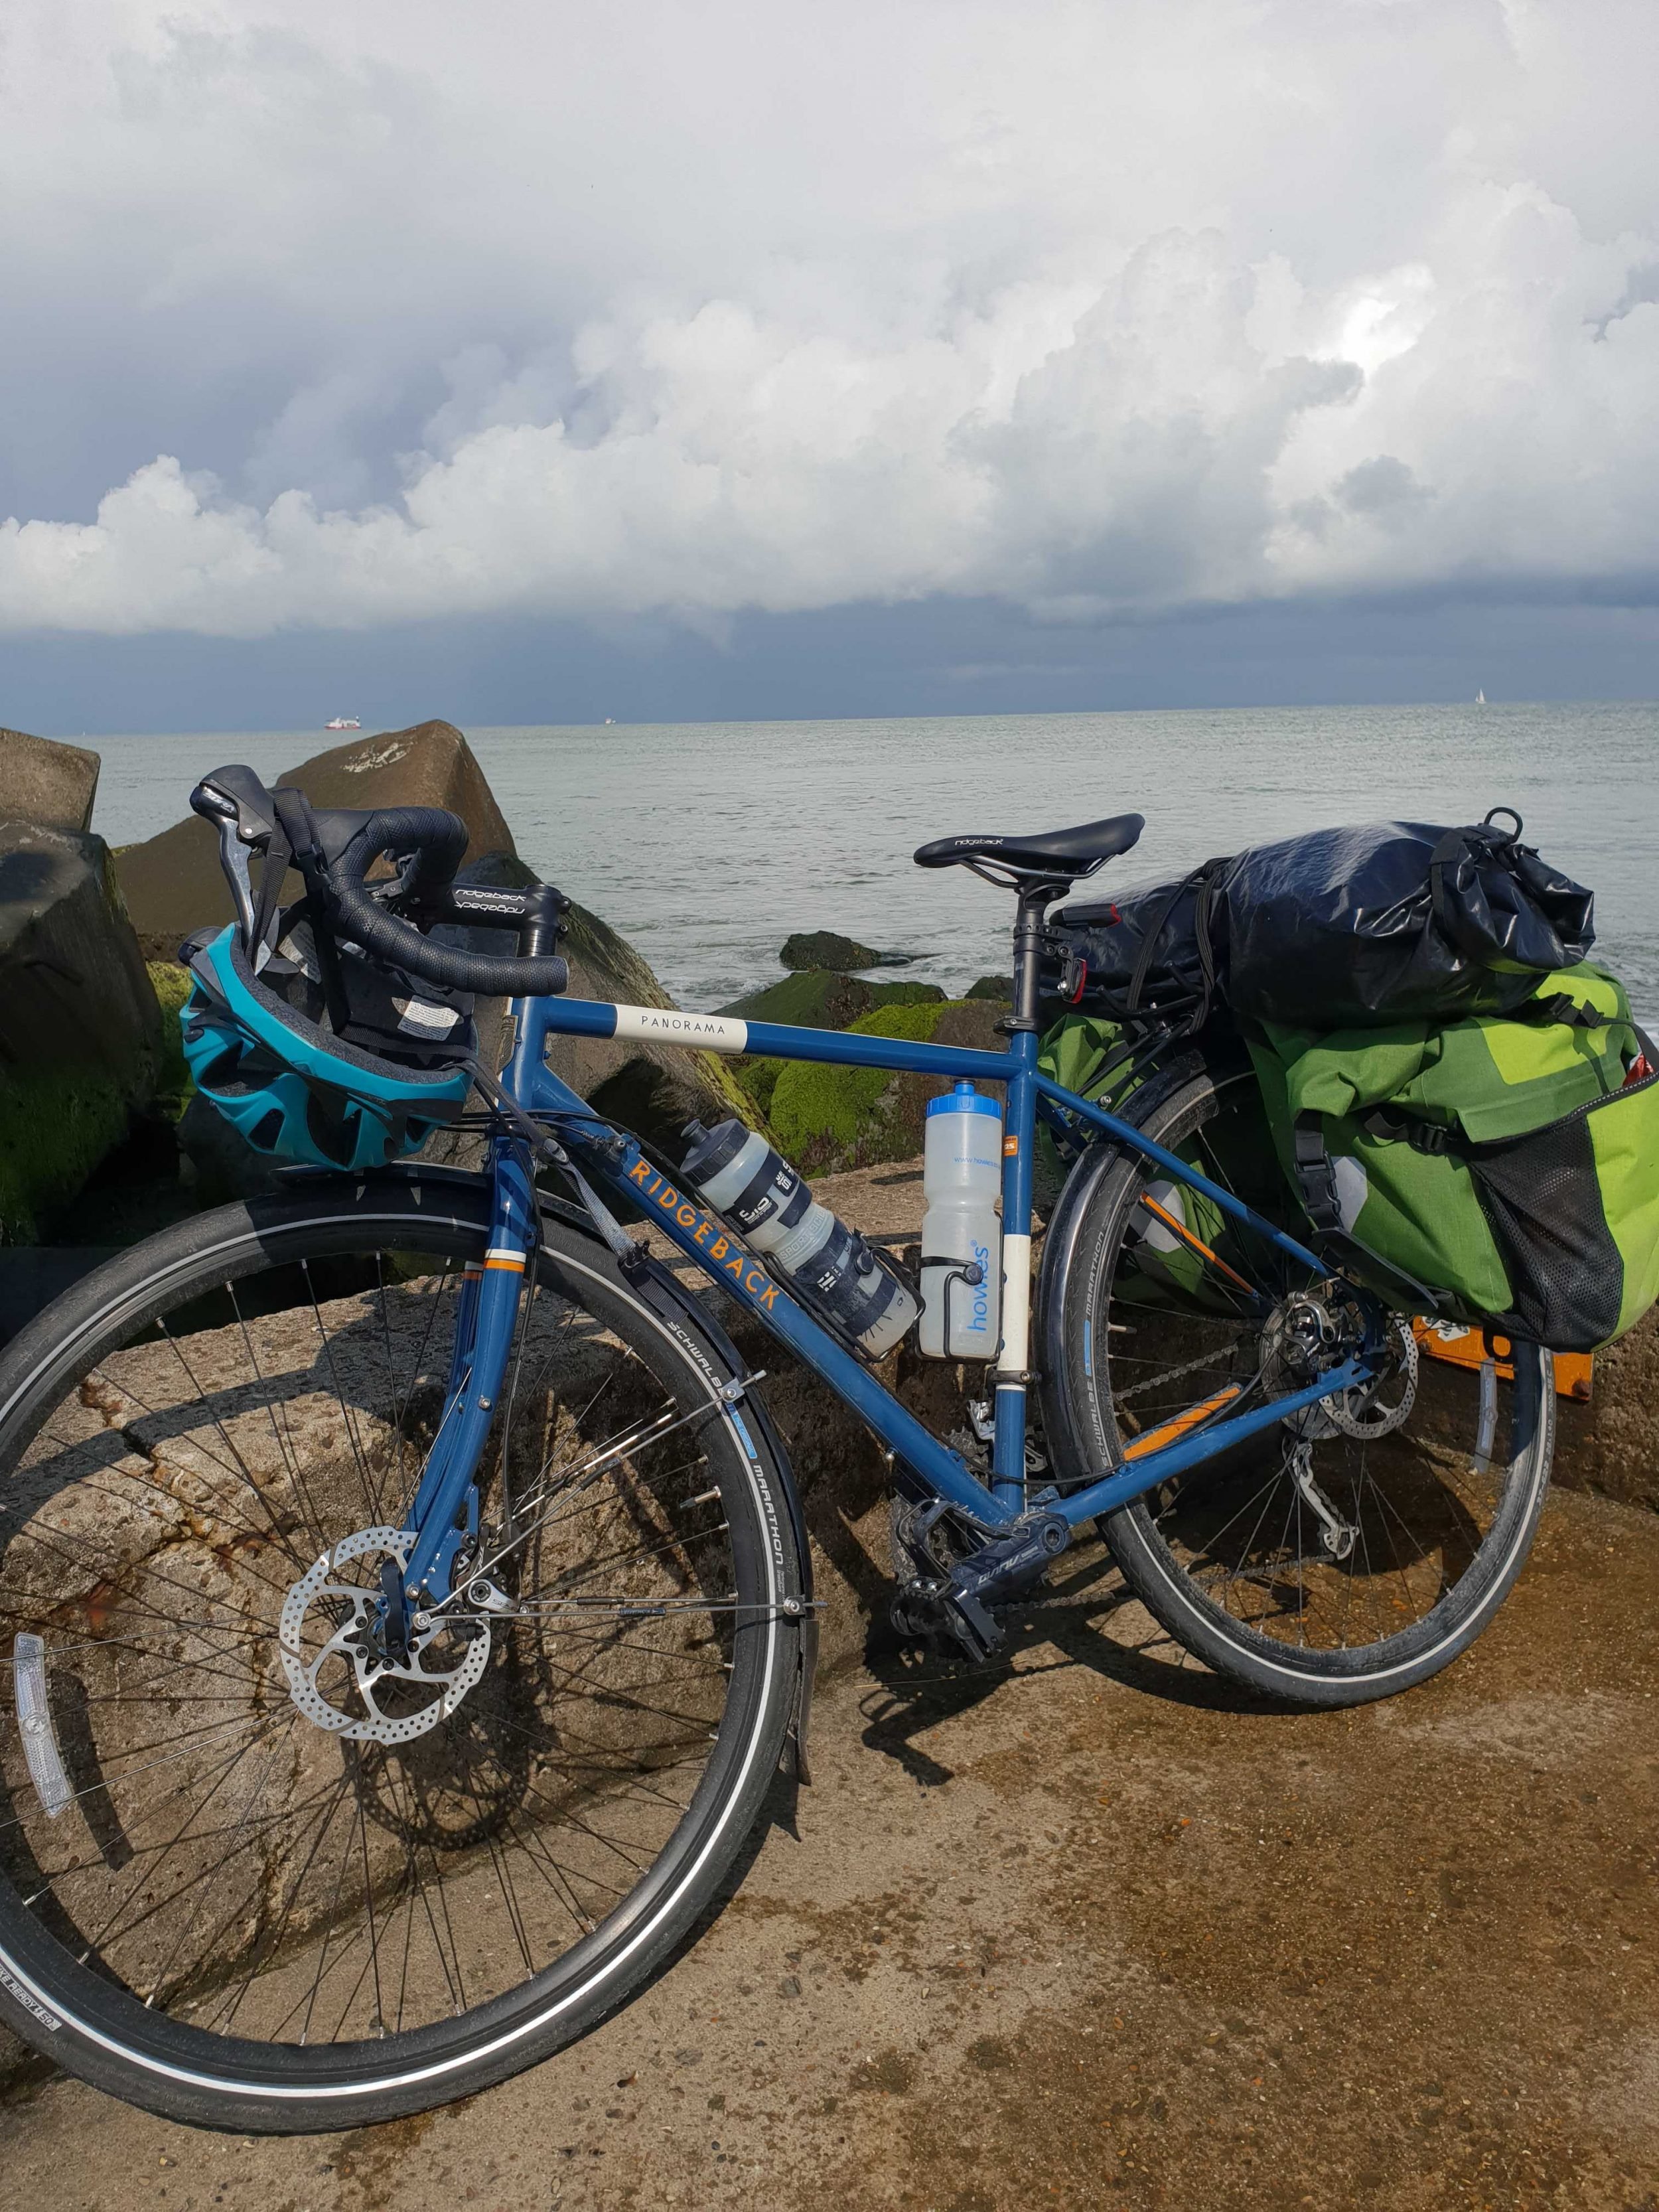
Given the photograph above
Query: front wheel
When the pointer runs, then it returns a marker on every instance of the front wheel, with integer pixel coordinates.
(1345, 1553)
(258, 1872)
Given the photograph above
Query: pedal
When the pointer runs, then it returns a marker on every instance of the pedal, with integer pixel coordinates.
(958, 1604)
(933, 1612)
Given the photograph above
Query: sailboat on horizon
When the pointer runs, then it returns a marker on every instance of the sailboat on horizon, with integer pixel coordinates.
(1479, 698)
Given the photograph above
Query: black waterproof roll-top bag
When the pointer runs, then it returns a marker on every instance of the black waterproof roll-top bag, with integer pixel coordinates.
(1371, 924)
(1396, 921)
(1160, 952)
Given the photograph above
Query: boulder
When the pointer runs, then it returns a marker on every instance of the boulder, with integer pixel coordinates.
(829, 1119)
(45, 782)
(815, 999)
(430, 765)
(824, 948)
(172, 882)
(81, 1040)
(999, 988)
(654, 1089)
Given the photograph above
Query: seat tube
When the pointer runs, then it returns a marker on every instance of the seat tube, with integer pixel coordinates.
(1014, 1357)
(1012, 1375)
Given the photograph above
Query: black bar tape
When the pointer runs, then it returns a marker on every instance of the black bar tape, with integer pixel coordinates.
(367, 923)
(431, 838)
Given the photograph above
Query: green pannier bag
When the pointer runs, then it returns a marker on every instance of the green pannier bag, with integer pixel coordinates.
(1510, 1161)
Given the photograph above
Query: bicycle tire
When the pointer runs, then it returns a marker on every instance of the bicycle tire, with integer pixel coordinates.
(79, 2012)
(1090, 1250)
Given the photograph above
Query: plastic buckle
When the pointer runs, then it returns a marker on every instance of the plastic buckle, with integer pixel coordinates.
(1315, 1175)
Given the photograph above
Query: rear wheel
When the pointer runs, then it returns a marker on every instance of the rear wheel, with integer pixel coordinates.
(1349, 1551)
(256, 1873)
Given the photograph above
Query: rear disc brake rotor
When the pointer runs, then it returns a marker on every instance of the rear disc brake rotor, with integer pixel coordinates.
(1310, 1331)
(1379, 1407)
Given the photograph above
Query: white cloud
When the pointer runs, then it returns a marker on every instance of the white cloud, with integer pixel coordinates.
(654, 309)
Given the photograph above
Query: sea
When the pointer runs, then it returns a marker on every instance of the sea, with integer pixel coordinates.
(708, 844)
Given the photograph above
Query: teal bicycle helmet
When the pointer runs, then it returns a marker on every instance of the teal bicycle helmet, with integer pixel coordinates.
(294, 1090)
(333, 1033)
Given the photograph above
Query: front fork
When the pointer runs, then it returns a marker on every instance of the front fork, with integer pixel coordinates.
(444, 1514)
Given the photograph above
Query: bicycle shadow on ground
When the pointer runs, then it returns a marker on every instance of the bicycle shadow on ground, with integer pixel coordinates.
(1072, 1625)
(914, 1691)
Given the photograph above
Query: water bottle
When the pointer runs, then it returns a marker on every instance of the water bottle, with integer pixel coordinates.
(961, 1232)
(767, 1201)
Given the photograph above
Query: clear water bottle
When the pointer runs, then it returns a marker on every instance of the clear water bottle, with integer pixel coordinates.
(961, 1231)
(768, 1202)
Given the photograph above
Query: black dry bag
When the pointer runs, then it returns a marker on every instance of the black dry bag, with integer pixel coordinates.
(1152, 953)
(1397, 921)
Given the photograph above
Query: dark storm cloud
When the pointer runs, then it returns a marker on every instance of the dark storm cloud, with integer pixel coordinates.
(426, 313)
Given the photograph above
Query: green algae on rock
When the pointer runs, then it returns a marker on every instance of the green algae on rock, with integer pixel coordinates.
(828, 1119)
(81, 1033)
(820, 998)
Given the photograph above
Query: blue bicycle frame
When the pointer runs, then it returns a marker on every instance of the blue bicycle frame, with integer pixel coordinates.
(445, 1509)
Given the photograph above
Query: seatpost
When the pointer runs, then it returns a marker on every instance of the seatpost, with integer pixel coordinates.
(1034, 901)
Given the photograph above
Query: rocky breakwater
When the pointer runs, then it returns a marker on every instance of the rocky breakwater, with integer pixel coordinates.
(81, 1044)
(172, 884)
(828, 1119)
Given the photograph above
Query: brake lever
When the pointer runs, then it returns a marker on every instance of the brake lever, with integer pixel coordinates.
(213, 806)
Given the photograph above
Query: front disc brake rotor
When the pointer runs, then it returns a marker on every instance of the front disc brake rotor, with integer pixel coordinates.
(347, 1684)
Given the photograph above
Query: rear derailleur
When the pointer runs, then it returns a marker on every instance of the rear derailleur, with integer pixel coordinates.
(941, 1597)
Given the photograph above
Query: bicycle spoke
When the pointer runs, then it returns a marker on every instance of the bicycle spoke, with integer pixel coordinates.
(1345, 1527)
(251, 1873)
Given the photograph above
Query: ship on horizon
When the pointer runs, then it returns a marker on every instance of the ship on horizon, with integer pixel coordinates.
(343, 722)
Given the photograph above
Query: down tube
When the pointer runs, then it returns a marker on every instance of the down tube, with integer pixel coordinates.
(697, 1232)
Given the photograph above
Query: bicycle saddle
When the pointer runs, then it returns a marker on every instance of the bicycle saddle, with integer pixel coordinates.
(1051, 854)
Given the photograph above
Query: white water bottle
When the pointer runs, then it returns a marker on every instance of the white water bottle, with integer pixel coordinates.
(961, 1232)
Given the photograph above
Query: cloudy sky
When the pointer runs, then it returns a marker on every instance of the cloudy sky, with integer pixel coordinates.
(906, 354)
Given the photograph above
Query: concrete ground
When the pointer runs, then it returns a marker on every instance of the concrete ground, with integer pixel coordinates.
(1087, 1928)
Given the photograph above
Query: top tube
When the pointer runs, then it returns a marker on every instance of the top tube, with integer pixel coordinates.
(726, 1033)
